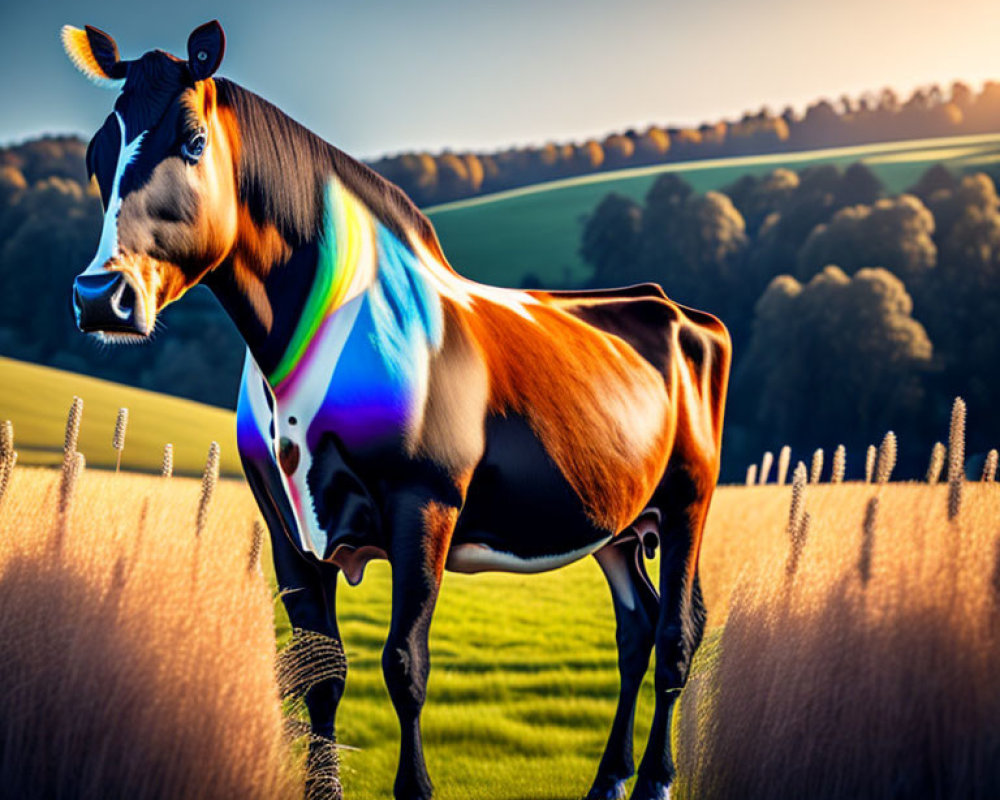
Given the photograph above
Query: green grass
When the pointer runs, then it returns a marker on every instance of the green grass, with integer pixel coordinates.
(500, 238)
(37, 400)
(522, 690)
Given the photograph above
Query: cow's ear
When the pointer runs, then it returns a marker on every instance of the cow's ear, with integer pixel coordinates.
(206, 45)
(95, 54)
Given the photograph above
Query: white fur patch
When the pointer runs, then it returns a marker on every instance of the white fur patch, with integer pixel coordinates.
(107, 249)
(481, 558)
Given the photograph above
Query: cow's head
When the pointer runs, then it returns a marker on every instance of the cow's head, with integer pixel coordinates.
(163, 160)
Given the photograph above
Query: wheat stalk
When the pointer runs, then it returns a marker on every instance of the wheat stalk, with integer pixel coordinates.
(936, 463)
(118, 439)
(209, 479)
(6, 470)
(990, 467)
(752, 475)
(956, 458)
(71, 471)
(870, 463)
(784, 459)
(886, 458)
(868, 540)
(816, 470)
(256, 545)
(798, 518)
(72, 429)
(6, 439)
(797, 507)
(765, 466)
(8, 456)
(168, 461)
(839, 464)
(799, 536)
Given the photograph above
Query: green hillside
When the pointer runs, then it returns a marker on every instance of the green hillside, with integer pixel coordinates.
(503, 237)
(37, 400)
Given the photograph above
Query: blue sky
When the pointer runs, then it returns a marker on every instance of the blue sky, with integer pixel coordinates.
(376, 77)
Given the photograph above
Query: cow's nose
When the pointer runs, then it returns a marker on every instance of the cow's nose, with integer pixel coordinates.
(105, 302)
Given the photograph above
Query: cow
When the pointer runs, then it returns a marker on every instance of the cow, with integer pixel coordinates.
(391, 408)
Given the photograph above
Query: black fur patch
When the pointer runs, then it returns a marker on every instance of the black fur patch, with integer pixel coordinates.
(344, 509)
(518, 501)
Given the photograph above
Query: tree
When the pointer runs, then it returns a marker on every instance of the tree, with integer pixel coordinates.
(837, 358)
(896, 234)
(695, 248)
(757, 198)
(935, 179)
(611, 241)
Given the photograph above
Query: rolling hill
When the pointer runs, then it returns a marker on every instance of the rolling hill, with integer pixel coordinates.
(501, 238)
(36, 399)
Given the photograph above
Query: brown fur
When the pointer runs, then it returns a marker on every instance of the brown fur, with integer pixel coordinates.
(564, 377)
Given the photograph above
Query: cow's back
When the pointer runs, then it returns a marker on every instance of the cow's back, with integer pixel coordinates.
(690, 348)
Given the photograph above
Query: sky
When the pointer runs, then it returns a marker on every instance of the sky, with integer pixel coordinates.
(381, 77)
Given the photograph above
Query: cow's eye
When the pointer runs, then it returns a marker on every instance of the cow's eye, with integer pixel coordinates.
(194, 146)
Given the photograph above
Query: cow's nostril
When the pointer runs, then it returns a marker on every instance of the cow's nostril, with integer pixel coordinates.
(123, 300)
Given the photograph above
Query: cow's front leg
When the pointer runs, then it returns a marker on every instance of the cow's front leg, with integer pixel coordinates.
(420, 528)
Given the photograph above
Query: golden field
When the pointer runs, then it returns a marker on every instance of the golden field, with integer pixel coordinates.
(161, 645)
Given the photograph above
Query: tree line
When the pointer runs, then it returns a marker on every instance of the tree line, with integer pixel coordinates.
(873, 117)
(851, 311)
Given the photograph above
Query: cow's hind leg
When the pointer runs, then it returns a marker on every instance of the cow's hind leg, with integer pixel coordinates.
(636, 612)
(683, 499)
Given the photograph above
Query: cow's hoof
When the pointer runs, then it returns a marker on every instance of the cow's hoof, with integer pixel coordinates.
(646, 789)
(608, 789)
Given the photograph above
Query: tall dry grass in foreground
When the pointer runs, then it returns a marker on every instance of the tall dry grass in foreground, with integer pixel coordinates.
(860, 659)
(138, 659)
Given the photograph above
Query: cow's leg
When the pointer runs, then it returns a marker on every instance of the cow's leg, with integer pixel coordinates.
(684, 498)
(308, 591)
(636, 611)
(419, 530)
(308, 587)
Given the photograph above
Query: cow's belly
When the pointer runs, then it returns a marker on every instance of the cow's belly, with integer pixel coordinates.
(520, 513)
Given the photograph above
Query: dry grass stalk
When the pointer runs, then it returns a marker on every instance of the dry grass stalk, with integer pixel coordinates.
(209, 479)
(868, 540)
(870, 463)
(8, 456)
(936, 463)
(956, 458)
(752, 475)
(256, 546)
(6, 470)
(784, 459)
(6, 439)
(886, 458)
(765, 467)
(72, 429)
(798, 505)
(168, 461)
(72, 469)
(816, 470)
(118, 439)
(799, 536)
(990, 467)
(839, 467)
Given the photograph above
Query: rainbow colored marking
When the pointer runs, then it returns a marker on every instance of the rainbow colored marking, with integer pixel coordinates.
(344, 268)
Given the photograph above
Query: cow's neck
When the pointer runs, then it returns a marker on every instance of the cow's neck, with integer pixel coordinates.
(280, 296)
